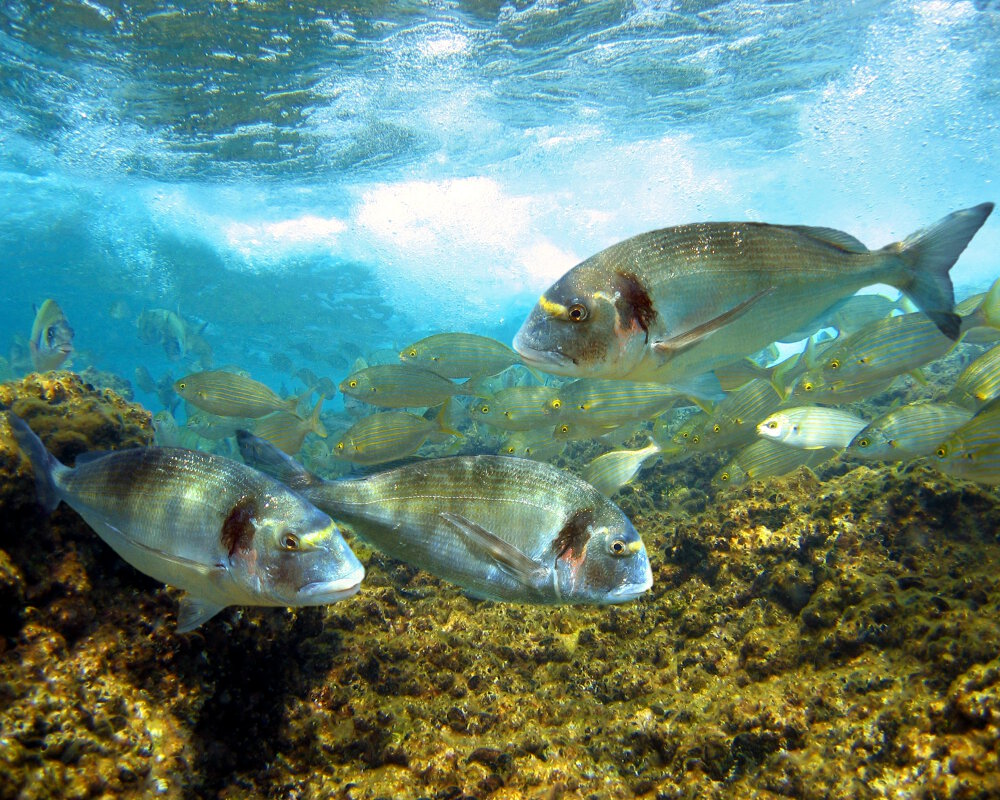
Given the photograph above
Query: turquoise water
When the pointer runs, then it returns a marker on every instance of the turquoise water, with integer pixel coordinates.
(326, 181)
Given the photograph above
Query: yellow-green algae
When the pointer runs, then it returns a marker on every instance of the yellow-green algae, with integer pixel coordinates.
(804, 638)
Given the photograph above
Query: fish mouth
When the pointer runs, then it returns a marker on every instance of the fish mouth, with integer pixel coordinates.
(632, 591)
(323, 592)
(541, 358)
(629, 592)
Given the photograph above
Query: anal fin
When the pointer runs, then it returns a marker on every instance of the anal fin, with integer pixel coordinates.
(193, 612)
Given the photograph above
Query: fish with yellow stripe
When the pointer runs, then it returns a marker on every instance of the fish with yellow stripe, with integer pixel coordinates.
(228, 394)
(973, 450)
(979, 382)
(767, 458)
(909, 431)
(402, 386)
(600, 403)
(287, 431)
(679, 302)
(390, 436)
(460, 355)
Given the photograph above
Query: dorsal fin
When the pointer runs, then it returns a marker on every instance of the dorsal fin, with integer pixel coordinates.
(833, 237)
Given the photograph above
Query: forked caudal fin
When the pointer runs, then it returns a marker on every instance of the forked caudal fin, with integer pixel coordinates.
(928, 255)
(46, 465)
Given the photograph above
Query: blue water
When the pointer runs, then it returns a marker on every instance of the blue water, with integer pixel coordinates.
(325, 183)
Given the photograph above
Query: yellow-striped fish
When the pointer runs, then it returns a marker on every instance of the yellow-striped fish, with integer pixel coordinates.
(598, 403)
(519, 408)
(767, 458)
(979, 382)
(287, 431)
(230, 395)
(389, 436)
(812, 427)
(51, 339)
(973, 451)
(538, 444)
(610, 472)
(982, 334)
(733, 422)
(908, 432)
(460, 355)
(401, 386)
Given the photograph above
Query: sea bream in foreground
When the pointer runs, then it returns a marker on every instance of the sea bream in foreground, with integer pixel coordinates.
(674, 304)
(505, 529)
(221, 531)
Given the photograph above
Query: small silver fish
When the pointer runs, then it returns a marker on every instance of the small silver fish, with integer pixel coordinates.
(51, 339)
(228, 394)
(812, 427)
(910, 431)
(767, 458)
(608, 473)
(979, 382)
(389, 436)
(219, 530)
(973, 450)
(460, 355)
(401, 386)
(507, 529)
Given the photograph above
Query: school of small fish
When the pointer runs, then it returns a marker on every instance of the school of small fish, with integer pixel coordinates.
(658, 348)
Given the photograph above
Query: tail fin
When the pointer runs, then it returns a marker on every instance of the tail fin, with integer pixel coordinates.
(444, 426)
(261, 454)
(987, 315)
(315, 424)
(45, 464)
(928, 255)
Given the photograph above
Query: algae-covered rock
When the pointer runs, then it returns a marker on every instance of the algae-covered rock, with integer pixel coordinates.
(829, 635)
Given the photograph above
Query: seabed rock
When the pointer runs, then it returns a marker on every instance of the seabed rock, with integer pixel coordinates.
(813, 637)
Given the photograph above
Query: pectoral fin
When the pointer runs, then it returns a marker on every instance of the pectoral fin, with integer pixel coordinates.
(683, 341)
(261, 454)
(193, 612)
(511, 560)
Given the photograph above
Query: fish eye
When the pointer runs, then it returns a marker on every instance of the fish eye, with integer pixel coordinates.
(696, 439)
(685, 434)
(618, 547)
(485, 409)
(511, 450)
(716, 428)
(807, 387)
(556, 404)
(352, 384)
(578, 312)
(835, 364)
(182, 385)
(942, 452)
(340, 446)
(864, 442)
(724, 477)
(374, 389)
(564, 429)
(290, 542)
(772, 424)
(413, 354)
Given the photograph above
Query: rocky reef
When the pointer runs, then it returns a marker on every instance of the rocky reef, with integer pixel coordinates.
(824, 636)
